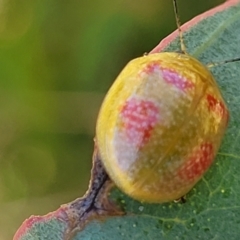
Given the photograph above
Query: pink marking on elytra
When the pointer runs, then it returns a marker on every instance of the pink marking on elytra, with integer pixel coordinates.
(138, 120)
(198, 163)
(216, 106)
(151, 67)
(177, 80)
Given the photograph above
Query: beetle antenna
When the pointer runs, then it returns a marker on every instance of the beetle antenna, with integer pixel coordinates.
(210, 65)
(175, 6)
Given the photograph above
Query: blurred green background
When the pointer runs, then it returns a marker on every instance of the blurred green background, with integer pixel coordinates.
(57, 60)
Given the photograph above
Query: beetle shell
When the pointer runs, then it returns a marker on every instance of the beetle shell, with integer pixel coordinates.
(160, 126)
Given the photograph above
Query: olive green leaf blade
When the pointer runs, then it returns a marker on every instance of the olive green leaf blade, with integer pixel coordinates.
(212, 210)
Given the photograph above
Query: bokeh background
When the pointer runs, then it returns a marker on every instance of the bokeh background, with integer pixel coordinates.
(57, 60)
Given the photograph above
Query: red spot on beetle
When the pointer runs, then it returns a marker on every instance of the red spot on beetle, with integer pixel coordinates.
(217, 106)
(198, 163)
(177, 80)
(151, 67)
(138, 119)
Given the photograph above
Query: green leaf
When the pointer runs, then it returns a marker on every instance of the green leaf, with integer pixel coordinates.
(212, 210)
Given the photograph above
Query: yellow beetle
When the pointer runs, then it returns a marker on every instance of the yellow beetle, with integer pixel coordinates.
(160, 126)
